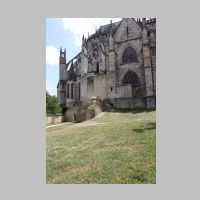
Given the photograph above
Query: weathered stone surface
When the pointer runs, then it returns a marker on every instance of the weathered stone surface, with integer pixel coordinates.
(95, 108)
(99, 68)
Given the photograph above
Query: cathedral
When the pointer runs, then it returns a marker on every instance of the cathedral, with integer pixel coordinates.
(116, 64)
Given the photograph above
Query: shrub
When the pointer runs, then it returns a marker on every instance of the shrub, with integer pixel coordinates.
(52, 105)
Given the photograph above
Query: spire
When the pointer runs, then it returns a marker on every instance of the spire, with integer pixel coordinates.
(143, 21)
(111, 39)
(62, 58)
(84, 40)
(111, 27)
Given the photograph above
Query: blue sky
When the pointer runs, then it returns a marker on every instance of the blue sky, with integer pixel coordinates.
(66, 33)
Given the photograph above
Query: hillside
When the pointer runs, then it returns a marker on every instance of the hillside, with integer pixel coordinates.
(115, 147)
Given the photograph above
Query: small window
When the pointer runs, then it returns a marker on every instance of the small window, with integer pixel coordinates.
(97, 67)
(111, 88)
(63, 55)
(127, 31)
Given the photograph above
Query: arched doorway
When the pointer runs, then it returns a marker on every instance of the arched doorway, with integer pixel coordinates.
(132, 79)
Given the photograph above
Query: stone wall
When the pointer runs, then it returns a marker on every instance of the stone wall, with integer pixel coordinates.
(93, 86)
(50, 119)
(77, 114)
(100, 86)
(129, 103)
(85, 111)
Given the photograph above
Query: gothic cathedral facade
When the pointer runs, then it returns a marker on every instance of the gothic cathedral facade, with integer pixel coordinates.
(116, 64)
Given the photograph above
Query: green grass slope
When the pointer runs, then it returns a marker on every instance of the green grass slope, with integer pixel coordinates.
(117, 147)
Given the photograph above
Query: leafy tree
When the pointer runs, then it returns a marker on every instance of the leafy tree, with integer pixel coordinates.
(48, 99)
(52, 105)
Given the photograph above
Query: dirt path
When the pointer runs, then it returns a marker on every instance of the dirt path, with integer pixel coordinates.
(58, 124)
(83, 124)
(93, 123)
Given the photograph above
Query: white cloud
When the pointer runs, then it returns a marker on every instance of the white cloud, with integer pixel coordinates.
(80, 26)
(52, 55)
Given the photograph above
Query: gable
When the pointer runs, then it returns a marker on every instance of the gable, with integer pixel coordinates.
(128, 29)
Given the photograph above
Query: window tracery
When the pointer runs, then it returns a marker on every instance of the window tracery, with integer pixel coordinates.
(129, 56)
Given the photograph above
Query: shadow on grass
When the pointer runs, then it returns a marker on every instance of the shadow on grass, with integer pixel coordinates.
(148, 126)
(135, 110)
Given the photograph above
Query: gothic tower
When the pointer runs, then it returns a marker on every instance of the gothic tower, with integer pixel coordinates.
(62, 68)
(62, 64)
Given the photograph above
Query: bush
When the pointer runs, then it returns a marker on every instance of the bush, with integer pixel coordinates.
(52, 105)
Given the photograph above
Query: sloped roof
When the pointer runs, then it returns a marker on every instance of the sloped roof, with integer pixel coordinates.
(105, 28)
(71, 74)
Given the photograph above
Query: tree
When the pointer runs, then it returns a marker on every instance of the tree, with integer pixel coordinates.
(52, 105)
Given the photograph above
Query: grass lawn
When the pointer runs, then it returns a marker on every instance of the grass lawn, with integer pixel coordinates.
(115, 147)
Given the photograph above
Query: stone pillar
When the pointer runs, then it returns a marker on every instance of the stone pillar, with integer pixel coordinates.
(150, 99)
(111, 75)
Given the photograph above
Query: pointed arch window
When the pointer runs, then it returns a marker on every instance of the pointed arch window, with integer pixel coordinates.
(67, 90)
(97, 69)
(129, 56)
(131, 78)
(79, 90)
(72, 90)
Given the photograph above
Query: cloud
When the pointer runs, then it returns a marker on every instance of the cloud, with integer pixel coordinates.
(80, 26)
(52, 55)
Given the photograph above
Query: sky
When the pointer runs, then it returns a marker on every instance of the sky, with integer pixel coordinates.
(66, 33)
